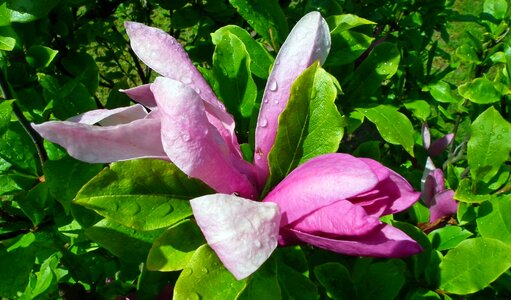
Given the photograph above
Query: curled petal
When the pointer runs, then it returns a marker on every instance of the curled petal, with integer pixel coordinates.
(384, 241)
(110, 117)
(95, 144)
(243, 233)
(443, 205)
(320, 182)
(441, 144)
(341, 218)
(433, 185)
(308, 41)
(194, 144)
(142, 94)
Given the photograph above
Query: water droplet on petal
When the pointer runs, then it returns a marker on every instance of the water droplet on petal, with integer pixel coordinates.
(185, 137)
(259, 153)
(263, 122)
(276, 101)
(277, 62)
(266, 100)
(273, 85)
(258, 244)
(197, 90)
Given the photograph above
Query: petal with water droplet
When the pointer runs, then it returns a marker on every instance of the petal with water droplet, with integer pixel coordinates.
(308, 41)
(243, 233)
(194, 144)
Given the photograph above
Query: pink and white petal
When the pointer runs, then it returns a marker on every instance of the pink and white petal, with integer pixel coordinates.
(163, 53)
(95, 144)
(307, 42)
(390, 196)
(385, 241)
(426, 136)
(111, 117)
(320, 182)
(142, 94)
(433, 185)
(243, 233)
(441, 144)
(341, 218)
(443, 205)
(193, 144)
(428, 168)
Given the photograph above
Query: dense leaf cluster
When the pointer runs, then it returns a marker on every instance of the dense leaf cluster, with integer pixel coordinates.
(81, 231)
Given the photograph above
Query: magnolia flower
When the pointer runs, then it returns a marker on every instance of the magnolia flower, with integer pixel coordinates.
(332, 201)
(440, 200)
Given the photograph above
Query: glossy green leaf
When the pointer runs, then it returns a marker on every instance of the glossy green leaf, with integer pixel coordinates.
(448, 237)
(419, 108)
(17, 148)
(295, 285)
(46, 277)
(5, 14)
(263, 284)
(442, 92)
(265, 16)
(423, 294)
(66, 176)
(40, 56)
(7, 38)
(394, 127)
(473, 265)
(467, 53)
(464, 193)
(5, 115)
(309, 126)
(347, 45)
(14, 279)
(175, 247)
(83, 67)
(206, 278)
(143, 194)
(381, 64)
(121, 241)
(489, 144)
(493, 219)
(260, 59)
(381, 280)
(36, 204)
(28, 10)
(495, 8)
(336, 280)
(231, 66)
(480, 90)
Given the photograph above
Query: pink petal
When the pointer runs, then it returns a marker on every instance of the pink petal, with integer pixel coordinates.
(110, 117)
(440, 145)
(428, 167)
(433, 185)
(320, 182)
(194, 144)
(385, 241)
(95, 144)
(166, 56)
(392, 194)
(142, 94)
(308, 41)
(243, 233)
(341, 218)
(443, 205)
(163, 53)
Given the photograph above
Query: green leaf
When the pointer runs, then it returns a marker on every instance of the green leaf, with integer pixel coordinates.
(46, 277)
(175, 247)
(448, 237)
(480, 90)
(489, 145)
(5, 115)
(336, 280)
(84, 68)
(27, 10)
(123, 242)
(206, 278)
(40, 56)
(17, 148)
(5, 14)
(309, 126)
(423, 294)
(467, 53)
(382, 280)
(265, 16)
(142, 194)
(14, 279)
(7, 38)
(473, 265)
(295, 285)
(394, 127)
(66, 176)
(493, 219)
(37, 204)
(465, 194)
(381, 64)
(495, 8)
(231, 66)
(263, 284)
(441, 91)
(419, 108)
(347, 45)
(260, 59)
